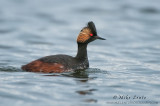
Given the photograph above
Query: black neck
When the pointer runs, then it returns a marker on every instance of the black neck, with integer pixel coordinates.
(82, 51)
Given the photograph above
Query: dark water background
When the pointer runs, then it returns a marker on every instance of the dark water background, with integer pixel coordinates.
(126, 64)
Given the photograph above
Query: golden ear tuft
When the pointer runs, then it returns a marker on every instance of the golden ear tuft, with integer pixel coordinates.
(84, 35)
(82, 38)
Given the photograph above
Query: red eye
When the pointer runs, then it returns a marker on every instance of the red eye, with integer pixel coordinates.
(91, 34)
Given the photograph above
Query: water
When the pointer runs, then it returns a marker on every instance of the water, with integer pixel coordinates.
(127, 64)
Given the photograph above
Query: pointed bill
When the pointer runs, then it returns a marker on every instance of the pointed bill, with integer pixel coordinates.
(98, 37)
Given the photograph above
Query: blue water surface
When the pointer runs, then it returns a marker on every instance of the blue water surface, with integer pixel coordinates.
(124, 69)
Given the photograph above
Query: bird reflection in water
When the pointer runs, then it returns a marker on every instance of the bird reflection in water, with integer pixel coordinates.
(81, 77)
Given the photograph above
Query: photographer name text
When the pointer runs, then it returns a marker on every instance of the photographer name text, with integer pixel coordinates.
(127, 97)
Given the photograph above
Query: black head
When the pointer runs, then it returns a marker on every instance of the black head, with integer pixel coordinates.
(88, 34)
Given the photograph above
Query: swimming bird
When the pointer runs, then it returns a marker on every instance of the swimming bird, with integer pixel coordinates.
(64, 63)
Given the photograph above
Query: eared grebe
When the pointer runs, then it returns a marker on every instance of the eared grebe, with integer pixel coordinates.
(65, 63)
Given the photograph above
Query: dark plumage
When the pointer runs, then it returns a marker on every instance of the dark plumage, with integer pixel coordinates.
(65, 63)
(92, 27)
